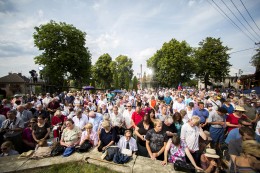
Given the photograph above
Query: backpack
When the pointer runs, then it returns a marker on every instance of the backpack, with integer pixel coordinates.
(85, 146)
(180, 165)
(120, 158)
(57, 150)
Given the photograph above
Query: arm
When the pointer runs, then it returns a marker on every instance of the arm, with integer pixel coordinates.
(147, 144)
(202, 134)
(138, 134)
(34, 137)
(47, 134)
(167, 148)
(231, 125)
(188, 154)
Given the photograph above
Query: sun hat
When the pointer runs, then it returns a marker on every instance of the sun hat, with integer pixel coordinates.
(211, 153)
(240, 108)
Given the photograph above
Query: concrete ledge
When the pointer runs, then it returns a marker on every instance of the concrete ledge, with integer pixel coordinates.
(136, 165)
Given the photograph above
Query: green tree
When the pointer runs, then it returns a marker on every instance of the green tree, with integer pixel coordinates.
(172, 64)
(211, 59)
(135, 83)
(255, 61)
(123, 69)
(102, 71)
(63, 53)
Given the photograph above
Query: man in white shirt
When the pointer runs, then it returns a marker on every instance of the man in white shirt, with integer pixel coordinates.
(80, 120)
(178, 105)
(46, 100)
(190, 133)
(127, 115)
(127, 142)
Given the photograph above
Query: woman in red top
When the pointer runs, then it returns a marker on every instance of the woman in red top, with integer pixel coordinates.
(57, 122)
(232, 119)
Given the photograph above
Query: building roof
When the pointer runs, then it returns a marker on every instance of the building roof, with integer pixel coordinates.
(14, 78)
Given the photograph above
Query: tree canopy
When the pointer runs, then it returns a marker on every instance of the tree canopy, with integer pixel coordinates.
(63, 52)
(102, 71)
(212, 60)
(172, 64)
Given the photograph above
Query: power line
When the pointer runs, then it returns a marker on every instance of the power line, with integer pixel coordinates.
(232, 21)
(244, 18)
(242, 50)
(250, 15)
(239, 20)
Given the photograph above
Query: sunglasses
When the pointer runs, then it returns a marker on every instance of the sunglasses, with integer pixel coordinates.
(3, 148)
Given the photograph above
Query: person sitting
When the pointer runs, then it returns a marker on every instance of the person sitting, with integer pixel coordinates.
(57, 122)
(117, 121)
(176, 150)
(140, 132)
(209, 161)
(95, 119)
(7, 149)
(70, 137)
(41, 111)
(41, 131)
(156, 141)
(249, 160)
(12, 129)
(89, 135)
(107, 136)
(178, 121)
(80, 120)
(27, 137)
(127, 142)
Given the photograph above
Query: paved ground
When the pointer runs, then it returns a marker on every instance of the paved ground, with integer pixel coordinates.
(136, 165)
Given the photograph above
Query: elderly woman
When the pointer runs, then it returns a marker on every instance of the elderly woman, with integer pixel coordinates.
(107, 136)
(232, 119)
(7, 149)
(41, 131)
(249, 160)
(89, 135)
(156, 141)
(70, 137)
(57, 122)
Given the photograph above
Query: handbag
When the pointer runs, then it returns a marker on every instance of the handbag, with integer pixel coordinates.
(180, 165)
(57, 150)
(85, 146)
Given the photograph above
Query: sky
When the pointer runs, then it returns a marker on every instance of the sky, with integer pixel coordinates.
(135, 28)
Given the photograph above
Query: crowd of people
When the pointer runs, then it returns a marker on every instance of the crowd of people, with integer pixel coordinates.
(213, 131)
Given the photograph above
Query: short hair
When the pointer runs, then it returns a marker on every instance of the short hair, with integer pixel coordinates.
(183, 112)
(251, 147)
(13, 112)
(191, 104)
(196, 120)
(168, 119)
(70, 120)
(246, 130)
(199, 103)
(88, 126)
(128, 131)
(79, 111)
(157, 122)
(106, 124)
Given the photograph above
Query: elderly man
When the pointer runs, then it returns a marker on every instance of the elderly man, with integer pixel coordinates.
(95, 119)
(25, 115)
(127, 114)
(12, 129)
(117, 120)
(190, 133)
(127, 142)
(178, 105)
(80, 120)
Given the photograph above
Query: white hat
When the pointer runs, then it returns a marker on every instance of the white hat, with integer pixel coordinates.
(211, 153)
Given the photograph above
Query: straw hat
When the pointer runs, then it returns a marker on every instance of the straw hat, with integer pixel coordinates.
(240, 108)
(211, 153)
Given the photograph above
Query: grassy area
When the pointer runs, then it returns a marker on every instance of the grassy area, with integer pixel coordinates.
(75, 167)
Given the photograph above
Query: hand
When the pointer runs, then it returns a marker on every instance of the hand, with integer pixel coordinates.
(155, 155)
(152, 157)
(198, 168)
(168, 133)
(143, 138)
(213, 163)
(222, 123)
(164, 163)
(104, 148)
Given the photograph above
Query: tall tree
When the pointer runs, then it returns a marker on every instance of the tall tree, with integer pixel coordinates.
(135, 83)
(172, 64)
(102, 71)
(123, 70)
(63, 52)
(212, 60)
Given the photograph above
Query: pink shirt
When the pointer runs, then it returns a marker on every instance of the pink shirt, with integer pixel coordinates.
(93, 137)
